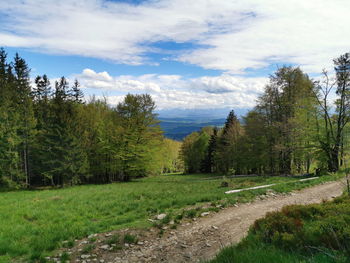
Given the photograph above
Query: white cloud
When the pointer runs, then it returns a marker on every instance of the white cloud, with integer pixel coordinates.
(307, 33)
(228, 83)
(236, 34)
(103, 81)
(172, 91)
(109, 30)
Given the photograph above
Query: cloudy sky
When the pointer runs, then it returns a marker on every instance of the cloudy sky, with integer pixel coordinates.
(187, 54)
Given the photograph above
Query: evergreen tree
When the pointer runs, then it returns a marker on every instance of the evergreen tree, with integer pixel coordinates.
(77, 94)
(209, 162)
(41, 94)
(61, 157)
(24, 102)
(54, 138)
(9, 124)
(226, 153)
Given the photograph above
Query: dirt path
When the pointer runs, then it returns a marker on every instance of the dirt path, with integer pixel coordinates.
(204, 238)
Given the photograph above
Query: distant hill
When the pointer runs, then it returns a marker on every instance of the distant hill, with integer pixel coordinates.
(179, 128)
(199, 114)
(178, 123)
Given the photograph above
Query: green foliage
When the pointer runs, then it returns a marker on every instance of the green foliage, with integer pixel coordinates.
(194, 150)
(290, 131)
(11, 173)
(50, 136)
(140, 136)
(227, 153)
(169, 156)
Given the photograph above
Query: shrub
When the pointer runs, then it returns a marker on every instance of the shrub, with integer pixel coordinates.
(114, 239)
(65, 257)
(130, 239)
(303, 227)
(190, 213)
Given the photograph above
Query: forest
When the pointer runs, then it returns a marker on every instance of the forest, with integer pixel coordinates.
(50, 136)
(299, 126)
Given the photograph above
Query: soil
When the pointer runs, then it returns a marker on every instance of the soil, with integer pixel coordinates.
(202, 238)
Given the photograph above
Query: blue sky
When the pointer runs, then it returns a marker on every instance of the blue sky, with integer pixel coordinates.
(186, 54)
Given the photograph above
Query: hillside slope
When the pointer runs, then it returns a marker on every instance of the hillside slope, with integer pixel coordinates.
(205, 237)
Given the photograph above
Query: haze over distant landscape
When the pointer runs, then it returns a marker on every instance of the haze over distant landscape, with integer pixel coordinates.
(187, 55)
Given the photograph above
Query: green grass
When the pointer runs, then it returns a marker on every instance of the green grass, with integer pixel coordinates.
(254, 251)
(115, 239)
(130, 239)
(316, 233)
(88, 248)
(35, 223)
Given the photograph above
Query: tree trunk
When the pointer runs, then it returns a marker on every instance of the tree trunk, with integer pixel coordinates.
(333, 162)
(25, 164)
(308, 164)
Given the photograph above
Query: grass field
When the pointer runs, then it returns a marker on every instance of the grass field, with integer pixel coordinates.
(34, 223)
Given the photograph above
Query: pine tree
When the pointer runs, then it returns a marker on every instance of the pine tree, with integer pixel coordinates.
(209, 165)
(9, 124)
(76, 93)
(26, 113)
(227, 154)
(41, 94)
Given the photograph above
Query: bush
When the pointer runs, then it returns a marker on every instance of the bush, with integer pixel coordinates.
(279, 229)
(312, 233)
(303, 227)
(114, 239)
(130, 239)
(88, 248)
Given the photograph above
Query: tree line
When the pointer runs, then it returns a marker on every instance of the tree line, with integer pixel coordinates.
(296, 127)
(50, 136)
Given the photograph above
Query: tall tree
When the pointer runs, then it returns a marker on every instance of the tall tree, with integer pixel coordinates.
(10, 172)
(332, 131)
(76, 93)
(194, 150)
(209, 161)
(25, 109)
(141, 135)
(227, 149)
(254, 144)
(287, 95)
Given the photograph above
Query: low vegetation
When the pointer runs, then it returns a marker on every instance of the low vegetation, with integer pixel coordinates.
(34, 223)
(312, 233)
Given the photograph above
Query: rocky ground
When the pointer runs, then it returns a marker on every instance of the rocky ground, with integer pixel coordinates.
(193, 240)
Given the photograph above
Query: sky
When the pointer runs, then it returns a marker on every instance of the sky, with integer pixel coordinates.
(187, 54)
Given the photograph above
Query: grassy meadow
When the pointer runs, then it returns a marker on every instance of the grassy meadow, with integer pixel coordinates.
(35, 223)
